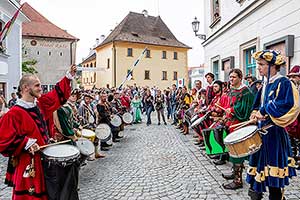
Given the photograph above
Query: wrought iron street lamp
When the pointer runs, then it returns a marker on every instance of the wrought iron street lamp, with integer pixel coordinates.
(195, 25)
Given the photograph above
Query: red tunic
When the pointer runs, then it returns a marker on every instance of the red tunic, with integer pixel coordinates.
(16, 127)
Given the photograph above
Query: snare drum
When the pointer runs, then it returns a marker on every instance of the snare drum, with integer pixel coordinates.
(85, 146)
(86, 133)
(243, 142)
(199, 120)
(214, 140)
(62, 154)
(116, 121)
(103, 132)
(127, 118)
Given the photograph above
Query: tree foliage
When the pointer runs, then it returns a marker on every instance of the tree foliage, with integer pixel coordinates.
(28, 67)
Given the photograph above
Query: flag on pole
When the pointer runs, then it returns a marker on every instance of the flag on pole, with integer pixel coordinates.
(6, 29)
(129, 74)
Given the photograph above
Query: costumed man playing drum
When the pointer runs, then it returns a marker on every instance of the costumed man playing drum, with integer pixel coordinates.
(277, 103)
(240, 102)
(66, 177)
(23, 130)
(88, 120)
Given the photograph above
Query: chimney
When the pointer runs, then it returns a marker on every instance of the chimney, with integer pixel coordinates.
(97, 41)
(145, 13)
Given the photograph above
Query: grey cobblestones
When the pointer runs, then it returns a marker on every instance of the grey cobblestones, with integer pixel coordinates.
(154, 162)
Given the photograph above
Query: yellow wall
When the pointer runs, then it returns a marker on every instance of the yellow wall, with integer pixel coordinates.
(104, 75)
(155, 64)
(87, 78)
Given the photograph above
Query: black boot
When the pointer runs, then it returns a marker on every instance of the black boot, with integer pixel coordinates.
(254, 195)
(237, 181)
(275, 193)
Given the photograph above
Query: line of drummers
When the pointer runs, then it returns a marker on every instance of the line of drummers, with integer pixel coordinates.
(90, 122)
(220, 117)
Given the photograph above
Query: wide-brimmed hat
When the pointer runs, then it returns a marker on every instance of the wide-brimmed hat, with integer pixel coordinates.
(271, 56)
(88, 95)
(295, 71)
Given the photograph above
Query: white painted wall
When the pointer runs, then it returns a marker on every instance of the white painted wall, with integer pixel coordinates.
(275, 19)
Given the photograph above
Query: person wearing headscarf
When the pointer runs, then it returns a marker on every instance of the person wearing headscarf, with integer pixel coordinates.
(276, 104)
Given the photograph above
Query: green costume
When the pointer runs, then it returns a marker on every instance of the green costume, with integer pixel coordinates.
(136, 108)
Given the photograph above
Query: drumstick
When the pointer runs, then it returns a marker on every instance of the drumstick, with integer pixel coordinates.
(223, 108)
(52, 144)
(243, 125)
(239, 124)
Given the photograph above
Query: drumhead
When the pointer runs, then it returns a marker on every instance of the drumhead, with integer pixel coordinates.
(85, 146)
(87, 133)
(116, 121)
(60, 151)
(240, 134)
(103, 132)
(127, 118)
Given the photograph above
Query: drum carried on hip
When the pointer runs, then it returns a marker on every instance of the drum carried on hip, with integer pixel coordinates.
(214, 140)
(244, 141)
(88, 134)
(85, 146)
(115, 120)
(127, 118)
(199, 120)
(103, 132)
(62, 154)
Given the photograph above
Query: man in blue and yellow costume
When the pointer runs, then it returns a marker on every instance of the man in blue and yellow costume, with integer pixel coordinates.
(275, 104)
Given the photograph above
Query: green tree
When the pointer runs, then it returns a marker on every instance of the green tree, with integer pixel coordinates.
(28, 67)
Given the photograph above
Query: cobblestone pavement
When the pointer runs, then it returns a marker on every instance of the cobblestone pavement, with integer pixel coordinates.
(154, 162)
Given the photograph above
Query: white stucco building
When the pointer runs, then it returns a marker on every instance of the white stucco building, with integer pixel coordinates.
(11, 53)
(236, 28)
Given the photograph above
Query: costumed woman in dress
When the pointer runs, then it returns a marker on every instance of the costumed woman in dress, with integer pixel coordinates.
(136, 109)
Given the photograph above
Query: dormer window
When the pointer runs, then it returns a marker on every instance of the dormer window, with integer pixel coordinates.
(162, 38)
(135, 34)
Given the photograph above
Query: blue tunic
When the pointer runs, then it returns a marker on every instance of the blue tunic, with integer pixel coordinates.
(273, 164)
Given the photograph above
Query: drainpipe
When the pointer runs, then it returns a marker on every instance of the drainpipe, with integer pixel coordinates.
(71, 53)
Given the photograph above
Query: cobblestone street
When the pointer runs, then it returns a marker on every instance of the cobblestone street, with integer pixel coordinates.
(154, 162)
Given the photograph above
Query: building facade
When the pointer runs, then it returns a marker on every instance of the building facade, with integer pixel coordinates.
(236, 28)
(196, 73)
(10, 48)
(164, 62)
(53, 48)
(88, 75)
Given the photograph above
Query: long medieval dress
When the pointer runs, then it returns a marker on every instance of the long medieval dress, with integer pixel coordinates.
(136, 109)
(22, 123)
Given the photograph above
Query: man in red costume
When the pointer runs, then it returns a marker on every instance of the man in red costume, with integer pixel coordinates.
(24, 129)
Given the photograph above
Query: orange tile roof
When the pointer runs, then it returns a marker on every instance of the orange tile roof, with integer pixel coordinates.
(40, 26)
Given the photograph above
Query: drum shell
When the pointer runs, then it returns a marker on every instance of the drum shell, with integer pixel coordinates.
(89, 137)
(60, 160)
(245, 146)
(214, 140)
(116, 120)
(127, 118)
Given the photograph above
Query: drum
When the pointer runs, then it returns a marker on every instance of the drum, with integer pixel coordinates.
(199, 120)
(214, 140)
(127, 118)
(195, 117)
(243, 142)
(116, 120)
(103, 132)
(62, 154)
(88, 134)
(85, 146)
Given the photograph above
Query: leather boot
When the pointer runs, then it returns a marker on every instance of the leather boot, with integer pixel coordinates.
(254, 195)
(237, 181)
(229, 176)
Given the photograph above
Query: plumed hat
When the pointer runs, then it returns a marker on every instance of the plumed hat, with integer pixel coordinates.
(271, 56)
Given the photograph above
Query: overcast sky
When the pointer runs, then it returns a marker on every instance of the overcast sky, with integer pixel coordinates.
(88, 19)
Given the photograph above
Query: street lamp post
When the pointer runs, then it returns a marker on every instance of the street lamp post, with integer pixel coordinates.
(195, 25)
